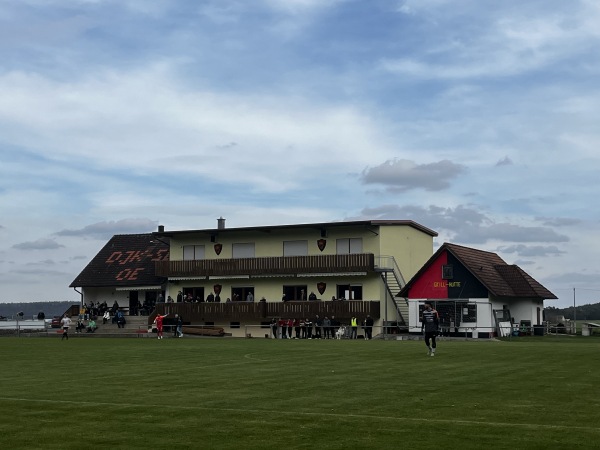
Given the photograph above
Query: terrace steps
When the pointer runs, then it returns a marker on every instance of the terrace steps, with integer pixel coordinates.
(134, 325)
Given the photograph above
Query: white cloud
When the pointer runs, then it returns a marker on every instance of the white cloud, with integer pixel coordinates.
(403, 175)
(502, 43)
(144, 121)
(105, 230)
(40, 244)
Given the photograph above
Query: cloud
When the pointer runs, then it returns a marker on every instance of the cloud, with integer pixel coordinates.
(301, 6)
(128, 119)
(41, 270)
(508, 232)
(40, 244)
(506, 161)
(465, 224)
(401, 175)
(558, 221)
(107, 229)
(498, 42)
(532, 250)
(579, 278)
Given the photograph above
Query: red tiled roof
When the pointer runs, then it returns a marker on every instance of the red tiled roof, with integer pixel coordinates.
(125, 260)
(498, 277)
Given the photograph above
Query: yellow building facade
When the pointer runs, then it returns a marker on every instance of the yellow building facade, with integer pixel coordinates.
(294, 269)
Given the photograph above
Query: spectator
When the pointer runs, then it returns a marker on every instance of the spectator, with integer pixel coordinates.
(106, 317)
(326, 327)
(120, 318)
(274, 327)
(179, 326)
(354, 325)
(79, 326)
(368, 328)
(91, 326)
(318, 325)
(283, 327)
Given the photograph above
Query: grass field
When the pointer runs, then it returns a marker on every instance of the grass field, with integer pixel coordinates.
(533, 393)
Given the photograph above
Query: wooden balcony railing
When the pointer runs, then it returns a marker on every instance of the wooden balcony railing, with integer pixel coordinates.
(222, 313)
(283, 265)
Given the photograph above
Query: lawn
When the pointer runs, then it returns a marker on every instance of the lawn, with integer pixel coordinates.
(534, 393)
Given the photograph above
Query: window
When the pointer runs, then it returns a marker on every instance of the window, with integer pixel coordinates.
(240, 294)
(349, 291)
(243, 250)
(294, 292)
(295, 248)
(447, 272)
(234, 324)
(193, 252)
(348, 246)
(197, 293)
(469, 312)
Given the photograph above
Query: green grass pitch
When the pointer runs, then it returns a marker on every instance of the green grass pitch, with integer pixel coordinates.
(534, 393)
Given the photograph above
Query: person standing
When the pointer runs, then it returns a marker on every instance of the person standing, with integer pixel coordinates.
(368, 328)
(326, 327)
(354, 325)
(66, 323)
(159, 325)
(283, 328)
(429, 323)
(318, 325)
(274, 327)
(178, 329)
(335, 324)
(308, 325)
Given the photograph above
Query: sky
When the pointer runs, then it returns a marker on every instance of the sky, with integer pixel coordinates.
(477, 119)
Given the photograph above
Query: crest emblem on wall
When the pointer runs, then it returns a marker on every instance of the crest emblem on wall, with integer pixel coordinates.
(321, 287)
(321, 243)
(217, 288)
(218, 248)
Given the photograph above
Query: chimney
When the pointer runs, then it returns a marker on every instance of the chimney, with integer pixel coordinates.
(220, 223)
(161, 228)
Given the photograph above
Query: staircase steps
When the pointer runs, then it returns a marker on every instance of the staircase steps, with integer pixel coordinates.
(135, 326)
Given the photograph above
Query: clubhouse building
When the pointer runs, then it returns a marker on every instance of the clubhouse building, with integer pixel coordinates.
(242, 278)
(476, 294)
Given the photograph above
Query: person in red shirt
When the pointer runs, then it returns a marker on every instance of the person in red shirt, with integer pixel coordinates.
(159, 325)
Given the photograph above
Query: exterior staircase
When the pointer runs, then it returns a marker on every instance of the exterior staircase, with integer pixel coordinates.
(393, 281)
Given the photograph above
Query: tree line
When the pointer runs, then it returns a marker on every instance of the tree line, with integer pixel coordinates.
(31, 309)
(584, 312)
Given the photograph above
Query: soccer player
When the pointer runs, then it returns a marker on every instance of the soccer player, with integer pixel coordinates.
(159, 325)
(66, 323)
(429, 323)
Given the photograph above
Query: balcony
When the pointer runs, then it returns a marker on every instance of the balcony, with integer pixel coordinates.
(283, 265)
(222, 313)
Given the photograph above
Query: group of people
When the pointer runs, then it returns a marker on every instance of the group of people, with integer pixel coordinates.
(311, 297)
(90, 327)
(159, 323)
(319, 328)
(189, 298)
(93, 310)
